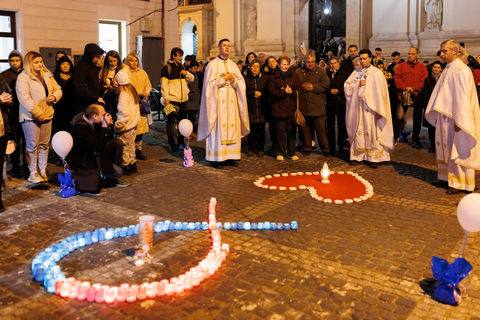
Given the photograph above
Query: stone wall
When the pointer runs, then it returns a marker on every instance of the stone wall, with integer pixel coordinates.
(73, 23)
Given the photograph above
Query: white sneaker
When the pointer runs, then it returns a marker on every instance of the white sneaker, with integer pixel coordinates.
(43, 175)
(35, 177)
(280, 158)
(294, 158)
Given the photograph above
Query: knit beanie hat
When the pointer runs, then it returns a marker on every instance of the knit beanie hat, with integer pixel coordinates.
(122, 77)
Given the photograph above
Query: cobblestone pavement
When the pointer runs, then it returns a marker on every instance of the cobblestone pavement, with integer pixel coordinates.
(368, 260)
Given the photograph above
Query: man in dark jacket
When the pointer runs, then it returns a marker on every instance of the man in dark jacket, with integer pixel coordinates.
(91, 141)
(10, 75)
(336, 107)
(86, 85)
(347, 64)
(314, 84)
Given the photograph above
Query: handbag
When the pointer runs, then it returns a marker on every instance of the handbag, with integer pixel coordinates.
(42, 111)
(145, 107)
(299, 118)
(89, 180)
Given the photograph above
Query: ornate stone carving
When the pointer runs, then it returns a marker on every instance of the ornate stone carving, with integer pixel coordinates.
(434, 10)
(252, 21)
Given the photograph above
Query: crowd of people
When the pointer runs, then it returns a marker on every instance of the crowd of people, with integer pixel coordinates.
(354, 105)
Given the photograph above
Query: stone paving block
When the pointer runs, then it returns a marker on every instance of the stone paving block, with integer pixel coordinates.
(369, 256)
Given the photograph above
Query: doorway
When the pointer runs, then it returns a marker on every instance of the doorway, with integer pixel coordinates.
(189, 38)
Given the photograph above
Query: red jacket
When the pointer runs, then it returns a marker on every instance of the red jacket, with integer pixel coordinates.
(410, 75)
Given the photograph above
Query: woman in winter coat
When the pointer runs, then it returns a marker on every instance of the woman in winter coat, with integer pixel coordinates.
(63, 109)
(112, 64)
(248, 60)
(36, 86)
(256, 85)
(141, 83)
(428, 85)
(282, 88)
(128, 117)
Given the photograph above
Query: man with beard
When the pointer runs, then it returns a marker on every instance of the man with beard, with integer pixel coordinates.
(347, 64)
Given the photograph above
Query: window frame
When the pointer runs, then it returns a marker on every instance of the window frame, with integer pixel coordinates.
(12, 33)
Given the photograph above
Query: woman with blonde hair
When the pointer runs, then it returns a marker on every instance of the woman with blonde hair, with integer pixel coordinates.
(37, 92)
(140, 81)
(128, 117)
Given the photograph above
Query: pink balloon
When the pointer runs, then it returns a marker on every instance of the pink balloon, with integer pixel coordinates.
(468, 212)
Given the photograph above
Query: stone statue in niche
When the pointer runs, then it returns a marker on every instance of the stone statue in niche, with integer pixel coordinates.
(434, 10)
(252, 22)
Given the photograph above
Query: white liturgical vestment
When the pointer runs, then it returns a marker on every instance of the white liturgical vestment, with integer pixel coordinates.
(454, 110)
(223, 118)
(368, 116)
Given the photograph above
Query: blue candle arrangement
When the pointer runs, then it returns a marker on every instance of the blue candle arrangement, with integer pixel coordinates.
(46, 270)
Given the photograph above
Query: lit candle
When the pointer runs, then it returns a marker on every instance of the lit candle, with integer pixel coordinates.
(142, 292)
(100, 294)
(152, 289)
(91, 292)
(161, 287)
(65, 289)
(325, 173)
(110, 294)
(122, 292)
(132, 293)
(82, 290)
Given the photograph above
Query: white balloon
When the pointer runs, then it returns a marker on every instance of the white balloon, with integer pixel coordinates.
(468, 212)
(185, 127)
(62, 143)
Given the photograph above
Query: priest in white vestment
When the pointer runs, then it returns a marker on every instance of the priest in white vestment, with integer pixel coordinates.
(454, 111)
(368, 115)
(223, 118)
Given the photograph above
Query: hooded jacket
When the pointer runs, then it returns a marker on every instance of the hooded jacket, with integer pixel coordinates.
(10, 75)
(86, 84)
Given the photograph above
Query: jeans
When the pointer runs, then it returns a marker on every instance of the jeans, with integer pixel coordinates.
(37, 137)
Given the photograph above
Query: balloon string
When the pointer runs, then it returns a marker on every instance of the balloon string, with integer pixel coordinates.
(65, 165)
(464, 245)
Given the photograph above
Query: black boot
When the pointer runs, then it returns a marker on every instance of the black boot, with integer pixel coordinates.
(139, 155)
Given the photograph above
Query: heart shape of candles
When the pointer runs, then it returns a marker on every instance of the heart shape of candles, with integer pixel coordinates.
(333, 187)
